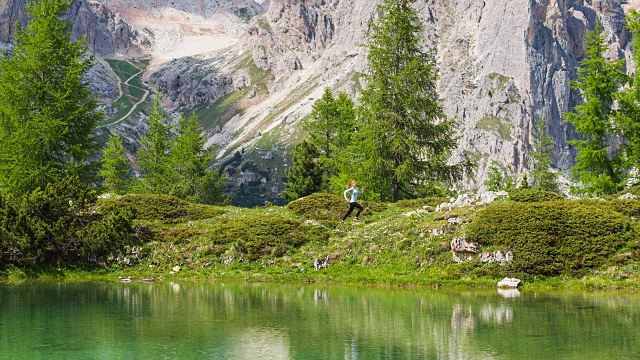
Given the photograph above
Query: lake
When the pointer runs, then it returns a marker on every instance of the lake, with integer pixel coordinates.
(51, 320)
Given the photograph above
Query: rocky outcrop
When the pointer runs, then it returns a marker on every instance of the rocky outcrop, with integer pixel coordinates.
(504, 65)
(106, 33)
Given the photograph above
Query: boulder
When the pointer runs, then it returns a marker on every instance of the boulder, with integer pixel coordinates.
(628, 196)
(464, 250)
(499, 257)
(509, 283)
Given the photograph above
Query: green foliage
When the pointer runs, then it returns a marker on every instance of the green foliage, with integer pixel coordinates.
(542, 155)
(628, 114)
(305, 176)
(533, 194)
(259, 235)
(403, 133)
(178, 165)
(153, 155)
(55, 226)
(115, 167)
(324, 206)
(159, 207)
(189, 161)
(47, 112)
(495, 179)
(599, 167)
(553, 238)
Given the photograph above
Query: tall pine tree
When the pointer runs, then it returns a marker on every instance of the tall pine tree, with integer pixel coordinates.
(598, 166)
(153, 155)
(47, 112)
(305, 176)
(542, 155)
(115, 167)
(628, 114)
(192, 177)
(404, 138)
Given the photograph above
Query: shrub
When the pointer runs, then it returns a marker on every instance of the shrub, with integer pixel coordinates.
(325, 206)
(160, 207)
(56, 226)
(259, 235)
(533, 194)
(554, 237)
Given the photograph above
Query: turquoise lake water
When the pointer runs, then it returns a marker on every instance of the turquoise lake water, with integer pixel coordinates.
(50, 320)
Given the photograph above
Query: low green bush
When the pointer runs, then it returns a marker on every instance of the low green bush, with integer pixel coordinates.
(57, 227)
(556, 237)
(325, 206)
(261, 235)
(160, 207)
(533, 194)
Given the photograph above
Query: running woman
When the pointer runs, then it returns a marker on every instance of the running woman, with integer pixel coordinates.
(353, 202)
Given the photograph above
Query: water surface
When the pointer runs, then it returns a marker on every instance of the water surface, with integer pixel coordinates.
(48, 320)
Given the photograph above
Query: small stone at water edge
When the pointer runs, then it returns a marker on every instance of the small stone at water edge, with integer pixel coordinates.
(509, 283)
(125, 279)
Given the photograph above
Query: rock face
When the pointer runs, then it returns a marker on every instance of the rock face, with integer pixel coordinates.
(504, 65)
(106, 33)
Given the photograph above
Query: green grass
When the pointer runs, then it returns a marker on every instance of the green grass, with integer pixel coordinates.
(123, 69)
(131, 93)
(391, 245)
(499, 125)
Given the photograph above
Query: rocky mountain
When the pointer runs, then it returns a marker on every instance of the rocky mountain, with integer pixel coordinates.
(252, 69)
(504, 65)
(107, 34)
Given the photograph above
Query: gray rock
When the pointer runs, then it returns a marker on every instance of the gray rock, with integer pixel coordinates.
(464, 250)
(628, 196)
(509, 283)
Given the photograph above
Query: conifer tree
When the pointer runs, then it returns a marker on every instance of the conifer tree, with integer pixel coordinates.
(115, 167)
(403, 137)
(542, 155)
(598, 166)
(305, 177)
(330, 129)
(190, 161)
(47, 112)
(628, 114)
(153, 155)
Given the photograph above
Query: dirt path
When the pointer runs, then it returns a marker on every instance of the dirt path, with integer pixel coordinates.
(135, 106)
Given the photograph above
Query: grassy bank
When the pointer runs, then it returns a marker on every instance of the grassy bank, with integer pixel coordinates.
(559, 243)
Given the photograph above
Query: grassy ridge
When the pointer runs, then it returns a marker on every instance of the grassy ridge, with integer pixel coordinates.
(407, 243)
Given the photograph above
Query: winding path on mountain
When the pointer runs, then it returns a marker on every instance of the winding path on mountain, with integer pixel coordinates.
(122, 93)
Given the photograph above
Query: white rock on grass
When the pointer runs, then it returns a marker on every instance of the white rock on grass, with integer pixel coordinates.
(509, 283)
(628, 196)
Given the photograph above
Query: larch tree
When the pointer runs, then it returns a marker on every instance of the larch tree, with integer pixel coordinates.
(115, 167)
(403, 137)
(191, 172)
(47, 112)
(153, 154)
(599, 166)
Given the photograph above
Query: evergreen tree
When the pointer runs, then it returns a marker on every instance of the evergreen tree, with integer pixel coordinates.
(190, 161)
(542, 155)
(628, 114)
(403, 136)
(330, 129)
(598, 166)
(495, 179)
(153, 155)
(47, 112)
(115, 167)
(305, 177)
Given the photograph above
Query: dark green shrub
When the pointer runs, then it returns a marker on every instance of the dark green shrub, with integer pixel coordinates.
(56, 226)
(416, 203)
(325, 206)
(554, 237)
(260, 235)
(160, 207)
(533, 194)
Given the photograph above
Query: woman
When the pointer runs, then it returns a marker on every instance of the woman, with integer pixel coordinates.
(353, 202)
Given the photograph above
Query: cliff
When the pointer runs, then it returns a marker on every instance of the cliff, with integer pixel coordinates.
(504, 65)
